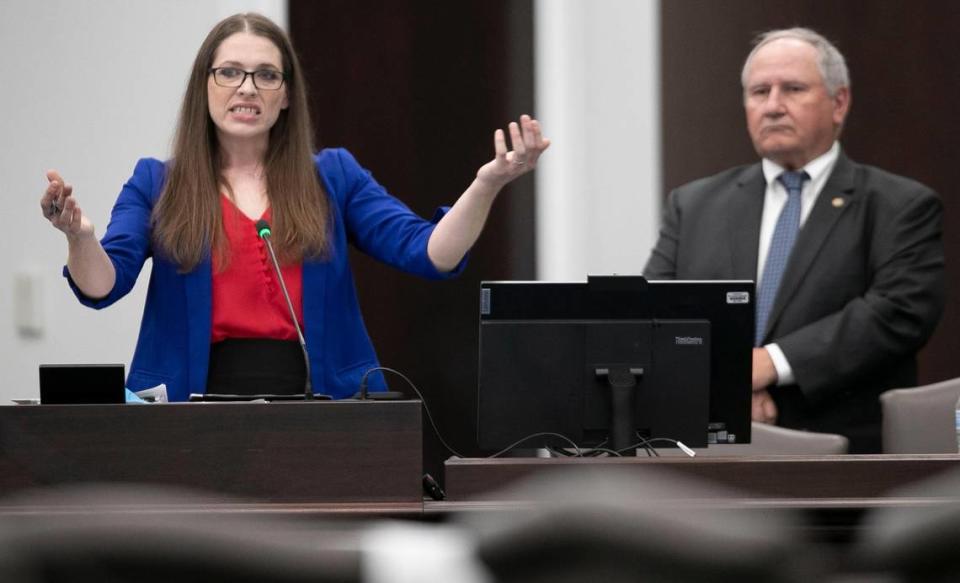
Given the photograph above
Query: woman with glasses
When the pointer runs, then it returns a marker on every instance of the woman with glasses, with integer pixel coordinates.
(217, 318)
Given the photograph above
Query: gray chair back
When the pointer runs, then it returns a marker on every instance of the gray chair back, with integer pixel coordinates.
(772, 440)
(921, 419)
(641, 523)
(912, 542)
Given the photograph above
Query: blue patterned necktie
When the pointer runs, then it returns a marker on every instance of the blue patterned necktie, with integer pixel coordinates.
(784, 236)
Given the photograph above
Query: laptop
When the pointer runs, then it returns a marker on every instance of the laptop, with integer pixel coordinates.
(82, 384)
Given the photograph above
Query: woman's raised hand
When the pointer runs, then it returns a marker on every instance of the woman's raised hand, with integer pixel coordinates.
(61, 208)
(528, 143)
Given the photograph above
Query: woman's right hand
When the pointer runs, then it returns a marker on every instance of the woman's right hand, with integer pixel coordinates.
(90, 267)
(61, 208)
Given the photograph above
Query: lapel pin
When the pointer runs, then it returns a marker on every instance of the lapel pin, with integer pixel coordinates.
(837, 202)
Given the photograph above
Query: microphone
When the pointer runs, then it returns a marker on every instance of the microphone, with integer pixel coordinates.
(263, 230)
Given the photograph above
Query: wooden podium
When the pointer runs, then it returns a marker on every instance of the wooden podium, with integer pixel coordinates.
(338, 452)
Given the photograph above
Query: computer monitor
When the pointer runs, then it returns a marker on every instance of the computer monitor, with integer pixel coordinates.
(616, 357)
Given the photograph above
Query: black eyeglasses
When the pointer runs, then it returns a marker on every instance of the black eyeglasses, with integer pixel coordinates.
(262, 78)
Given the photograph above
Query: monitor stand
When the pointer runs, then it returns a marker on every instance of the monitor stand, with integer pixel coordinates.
(623, 404)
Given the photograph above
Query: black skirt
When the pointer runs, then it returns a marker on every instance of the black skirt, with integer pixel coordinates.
(256, 366)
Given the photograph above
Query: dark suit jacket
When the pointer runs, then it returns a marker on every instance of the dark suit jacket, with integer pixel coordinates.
(863, 290)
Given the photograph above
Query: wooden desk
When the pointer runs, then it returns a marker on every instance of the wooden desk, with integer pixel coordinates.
(349, 453)
(831, 493)
(360, 459)
(802, 481)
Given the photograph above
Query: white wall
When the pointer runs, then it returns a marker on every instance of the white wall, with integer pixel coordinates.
(88, 87)
(597, 87)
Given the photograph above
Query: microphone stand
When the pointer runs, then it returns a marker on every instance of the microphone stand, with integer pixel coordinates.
(263, 230)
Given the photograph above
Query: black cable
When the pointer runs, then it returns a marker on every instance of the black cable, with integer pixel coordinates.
(645, 443)
(363, 381)
(541, 434)
(587, 452)
(613, 452)
(601, 449)
(651, 440)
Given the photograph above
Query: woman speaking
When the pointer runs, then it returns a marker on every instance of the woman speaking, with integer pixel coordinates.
(215, 318)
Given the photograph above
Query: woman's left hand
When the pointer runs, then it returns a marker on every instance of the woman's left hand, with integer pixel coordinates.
(528, 143)
(458, 230)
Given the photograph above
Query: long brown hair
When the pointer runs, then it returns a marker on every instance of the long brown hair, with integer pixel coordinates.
(187, 222)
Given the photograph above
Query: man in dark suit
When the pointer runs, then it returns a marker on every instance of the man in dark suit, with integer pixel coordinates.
(848, 258)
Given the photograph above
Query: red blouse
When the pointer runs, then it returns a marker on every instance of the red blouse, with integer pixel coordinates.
(247, 299)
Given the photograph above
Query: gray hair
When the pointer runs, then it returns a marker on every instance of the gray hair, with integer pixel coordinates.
(833, 67)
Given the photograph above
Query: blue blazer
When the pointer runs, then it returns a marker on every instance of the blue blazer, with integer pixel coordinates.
(174, 342)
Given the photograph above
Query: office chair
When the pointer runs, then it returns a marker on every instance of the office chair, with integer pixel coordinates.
(137, 534)
(148, 533)
(644, 524)
(921, 419)
(915, 541)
